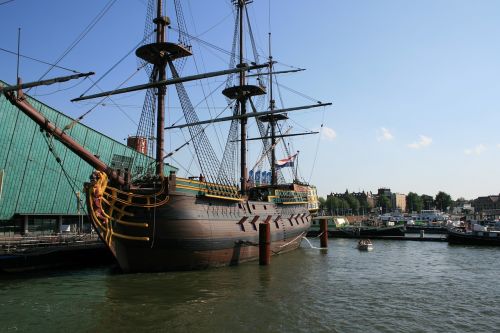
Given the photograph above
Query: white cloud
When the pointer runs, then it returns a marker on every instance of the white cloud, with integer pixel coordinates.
(498, 145)
(383, 134)
(477, 150)
(423, 142)
(328, 134)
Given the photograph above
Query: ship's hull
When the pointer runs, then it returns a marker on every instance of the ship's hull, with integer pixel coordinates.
(195, 232)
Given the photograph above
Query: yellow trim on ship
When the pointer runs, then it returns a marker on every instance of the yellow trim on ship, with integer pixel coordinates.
(221, 197)
(186, 187)
(205, 184)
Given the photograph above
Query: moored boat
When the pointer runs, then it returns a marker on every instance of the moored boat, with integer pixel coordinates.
(461, 235)
(368, 231)
(338, 226)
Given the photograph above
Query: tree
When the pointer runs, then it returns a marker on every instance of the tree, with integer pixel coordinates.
(442, 201)
(353, 203)
(344, 206)
(363, 205)
(427, 200)
(322, 203)
(385, 203)
(333, 204)
(414, 202)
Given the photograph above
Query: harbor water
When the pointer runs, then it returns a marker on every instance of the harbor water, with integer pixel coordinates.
(400, 286)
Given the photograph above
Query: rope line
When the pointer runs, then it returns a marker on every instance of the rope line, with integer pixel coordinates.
(115, 65)
(80, 118)
(317, 145)
(314, 247)
(41, 61)
(50, 143)
(82, 35)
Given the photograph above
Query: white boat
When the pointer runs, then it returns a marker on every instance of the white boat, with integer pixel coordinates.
(365, 245)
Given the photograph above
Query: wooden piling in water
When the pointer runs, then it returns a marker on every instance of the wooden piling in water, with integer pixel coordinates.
(323, 229)
(264, 244)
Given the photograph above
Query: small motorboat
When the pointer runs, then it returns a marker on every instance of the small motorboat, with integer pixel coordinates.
(365, 245)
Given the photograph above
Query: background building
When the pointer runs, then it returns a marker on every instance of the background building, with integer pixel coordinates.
(357, 203)
(399, 202)
(37, 195)
(487, 207)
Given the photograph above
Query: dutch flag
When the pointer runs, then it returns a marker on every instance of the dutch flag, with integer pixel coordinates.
(286, 162)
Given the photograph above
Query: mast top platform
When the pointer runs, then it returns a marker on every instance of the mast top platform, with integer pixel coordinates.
(244, 91)
(273, 117)
(158, 53)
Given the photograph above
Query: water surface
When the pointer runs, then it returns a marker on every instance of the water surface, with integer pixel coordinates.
(401, 286)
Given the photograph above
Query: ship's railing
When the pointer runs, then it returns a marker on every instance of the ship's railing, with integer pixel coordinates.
(209, 189)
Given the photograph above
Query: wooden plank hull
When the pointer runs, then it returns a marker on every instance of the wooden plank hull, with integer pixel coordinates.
(192, 232)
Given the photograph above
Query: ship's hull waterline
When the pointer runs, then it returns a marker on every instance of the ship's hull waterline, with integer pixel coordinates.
(195, 232)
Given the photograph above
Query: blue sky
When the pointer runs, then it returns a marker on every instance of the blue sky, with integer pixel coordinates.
(414, 84)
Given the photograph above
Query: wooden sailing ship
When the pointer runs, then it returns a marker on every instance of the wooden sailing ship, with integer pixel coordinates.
(164, 222)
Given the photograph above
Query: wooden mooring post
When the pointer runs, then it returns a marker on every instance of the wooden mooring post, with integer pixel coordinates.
(264, 244)
(323, 229)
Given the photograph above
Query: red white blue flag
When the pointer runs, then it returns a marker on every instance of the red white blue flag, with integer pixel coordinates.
(286, 162)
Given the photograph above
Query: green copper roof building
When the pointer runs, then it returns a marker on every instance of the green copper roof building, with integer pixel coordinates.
(34, 186)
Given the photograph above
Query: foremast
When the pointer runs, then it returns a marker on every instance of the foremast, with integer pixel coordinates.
(161, 22)
(159, 54)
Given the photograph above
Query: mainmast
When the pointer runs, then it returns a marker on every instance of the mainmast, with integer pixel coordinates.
(241, 93)
(242, 106)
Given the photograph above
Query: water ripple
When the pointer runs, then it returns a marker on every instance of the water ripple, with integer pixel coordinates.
(399, 287)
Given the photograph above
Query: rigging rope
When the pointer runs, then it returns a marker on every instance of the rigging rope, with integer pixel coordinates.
(59, 90)
(317, 145)
(188, 141)
(114, 66)
(40, 61)
(298, 93)
(201, 41)
(82, 35)
(50, 143)
(205, 153)
(77, 120)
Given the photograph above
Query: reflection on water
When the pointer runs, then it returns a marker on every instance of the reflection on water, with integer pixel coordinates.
(398, 287)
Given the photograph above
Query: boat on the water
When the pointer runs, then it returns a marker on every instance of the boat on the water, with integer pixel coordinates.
(416, 229)
(475, 234)
(365, 245)
(152, 221)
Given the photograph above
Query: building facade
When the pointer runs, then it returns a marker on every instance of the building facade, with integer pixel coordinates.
(487, 202)
(399, 202)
